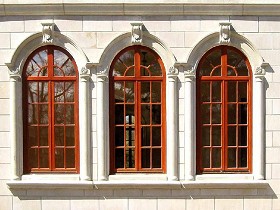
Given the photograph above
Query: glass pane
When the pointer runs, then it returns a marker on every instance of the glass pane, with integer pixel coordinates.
(119, 136)
(242, 91)
(233, 58)
(242, 118)
(119, 158)
(231, 135)
(32, 136)
(242, 69)
(69, 91)
(145, 134)
(129, 72)
(70, 113)
(144, 72)
(205, 136)
(205, 91)
(33, 158)
(129, 91)
(216, 91)
(155, 69)
(130, 158)
(119, 114)
(59, 158)
(231, 72)
(145, 114)
(70, 135)
(63, 62)
(231, 113)
(156, 92)
(156, 133)
(69, 69)
(44, 158)
(119, 92)
(43, 114)
(32, 114)
(156, 114)
(44, 135)
(231, 157)
(216, 136)
(59, 135)
(145, 92)
(206, 158)
(156, 158)
(242, 136)
(242, 157)
(59, 91)
(37, 63)
(216, 113)
(212, 60)
(126, 60)
(231, 86)
(58, 72)
(70, 158)
(129, 118)
(129, 132)
(43, 92)
(145, 159)
(59, 116)
(32, 92)
(216, 158)
(216, 72)
(146, 58)
(205, 113)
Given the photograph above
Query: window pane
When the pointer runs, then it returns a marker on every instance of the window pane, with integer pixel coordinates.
(231, 113)
(129, 91)
(231, 72)
(206, 158)
(59, 91)
(59, 116)
(205, 91)
(156, 114)
(70, 113)
(32, 114)
(145, 114)
(43, 114)
(126, 60)
(231, 157)
(205, 113)
(242, 136)
(129, 72)
(156, 131)
(145, 134)
(216, 72)
(212, 60)
(129, 118)
(59, 135)
(119, 136)
(231, 135)
(130, 136)
(216, 91)
(64, 66)
(145, 158)
(155, 69)
(231, 86)
(242, 69)
(33, 135)
(242, 118)
(37, 64)
(59, 158)
(242, 91)
(216, 158)
(119, 114)
(69, 91)
(44, 133)
(144, 72)
(216, 136)
(242, 157)
(119, 92)
(216, 113)
(33, 158)
(130, 158)
(156, 92)
(43, 92)
(33, 95)
(70, 135)
(44, 158)
(70, 158)
(205, 136)
(145, 92)
(119, 158)
(156, 155)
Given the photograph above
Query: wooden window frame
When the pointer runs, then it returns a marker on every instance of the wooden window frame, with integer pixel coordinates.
(137, 79)
(224, 79)
(51, 79)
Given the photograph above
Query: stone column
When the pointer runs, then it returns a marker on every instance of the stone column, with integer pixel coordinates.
(258, 159)
(15, 125)
(172, 125)
(85, 146)
(190, 112)
(102, 97)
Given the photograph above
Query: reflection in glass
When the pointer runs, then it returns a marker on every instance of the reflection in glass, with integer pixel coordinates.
(205, 91)
(231, 72)
(205, 113)
(44, 114)
(231, 113)
(129, 91)
(242, 157)
(206, 158)
(156, 133)
(32, 114)
(156, 92)
(69, 118)
(156, 158)
(216, 113)
(33, 157)
(231, 91)
(59, 135)
(242, 135)
(126, 60)
(70, 135)
(36, 64)
(129, 133)
(216, 91)
(44, 158)
(145, 158)
(205, 136)
(33, 135)
(145, 92)
(242, 109)
(156, 114)
(43, 92)
(242, 91)
(59, 158)
(216, 157)
(119, 91)
(130, 158)
(145, 136)
(43, 130)
(145, 114)
(70, 158)
(231, 157)
(216, 136)
(119, 114)
(216, 71)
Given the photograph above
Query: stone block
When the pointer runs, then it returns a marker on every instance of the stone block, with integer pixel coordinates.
(185, 23)
(172, 39)
(5, 40)
(5, 139)
(140, 204)
(269, 106)
(116, 204)
(269, 24)
(129, 193)
(4, 190)
(201, 203)
(34, 23)
(276, 139)
(5, 170)
(5, 126)
(172, 204)
(6, 202)
(271, 56)
(26, 203)
(193, 38)
(4, 106)
(18, 38)
(122, 23)
(229, 203)
(157, 23)
(84, 204)
(5, 156)
(275, 170)
(105, 38)
(257, 203)
(156, 193)
(271, 93)
(269, 139)
(69, 23)
(245, 23)
(55, 203)
(4, 74)
(268, 171)
(262, 41)
(97, 23)
(83, 39)
(11, 24)
(270, 123)
(211, 23)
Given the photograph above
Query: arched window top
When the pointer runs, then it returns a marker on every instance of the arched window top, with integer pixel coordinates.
(224, 61)
(137, 57)
(50, 61)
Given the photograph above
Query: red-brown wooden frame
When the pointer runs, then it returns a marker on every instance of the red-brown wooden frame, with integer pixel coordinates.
(50, 79)
(137, 79)
(224, 121)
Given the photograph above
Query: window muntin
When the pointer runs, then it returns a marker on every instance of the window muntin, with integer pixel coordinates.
(137, 111)
(50, 101)
(224, 112)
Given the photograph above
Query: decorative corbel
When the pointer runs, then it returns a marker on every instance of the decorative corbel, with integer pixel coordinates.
(225, 29)
(137, 33)
(47, 31)
(260, 70)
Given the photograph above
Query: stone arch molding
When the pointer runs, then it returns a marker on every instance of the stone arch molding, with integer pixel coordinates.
(25, 48)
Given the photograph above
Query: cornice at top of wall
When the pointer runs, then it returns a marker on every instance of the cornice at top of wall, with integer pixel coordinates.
(139, 7)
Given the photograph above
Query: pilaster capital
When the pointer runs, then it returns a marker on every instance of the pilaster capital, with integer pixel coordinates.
(260, 70)
(189, 72)
(173, 72)
(15, 75)
(102, 75)
(85, 72)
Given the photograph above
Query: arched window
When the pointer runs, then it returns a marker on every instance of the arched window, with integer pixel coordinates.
(224, 107)
(137, 111)
(50, 111)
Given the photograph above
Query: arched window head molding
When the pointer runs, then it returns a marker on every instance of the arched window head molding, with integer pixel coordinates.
(103, 66)
(258, 74)
(15, 66)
